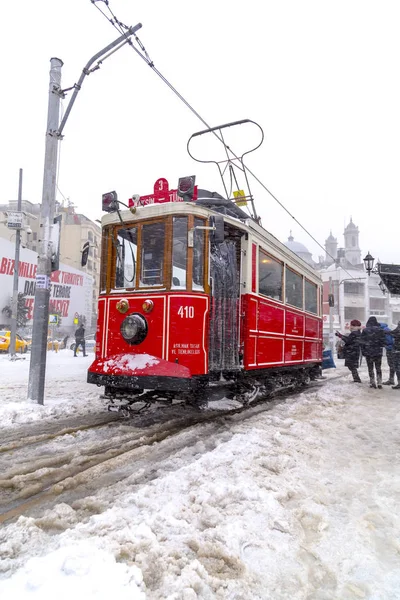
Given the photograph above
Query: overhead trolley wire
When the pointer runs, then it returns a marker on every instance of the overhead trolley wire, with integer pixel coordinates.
(121, 28)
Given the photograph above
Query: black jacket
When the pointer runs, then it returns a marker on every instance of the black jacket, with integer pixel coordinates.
(372, 341)
(80, 334)
(395, 333)
(351, 349)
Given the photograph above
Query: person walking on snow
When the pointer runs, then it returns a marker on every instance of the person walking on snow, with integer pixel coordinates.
(389, 354)
(372, 342)
(80, 340)
(351, 349)
(396, 353)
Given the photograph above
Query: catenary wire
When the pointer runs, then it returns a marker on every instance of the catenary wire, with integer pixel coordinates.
(120, 27)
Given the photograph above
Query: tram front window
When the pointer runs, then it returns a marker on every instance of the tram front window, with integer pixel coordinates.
(179, 253)
(126, 250)
(198, 256)
(152, 255)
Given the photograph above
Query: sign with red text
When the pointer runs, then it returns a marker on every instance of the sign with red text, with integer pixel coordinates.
(71, 290)
(161, 194)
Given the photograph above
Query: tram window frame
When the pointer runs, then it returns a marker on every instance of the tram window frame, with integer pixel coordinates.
(117, 255)
(110, 256)
(198, 255)
(183, 283)
(291, 301)
(141, 284)
(264, 258)
(308, 285)
(106, 260)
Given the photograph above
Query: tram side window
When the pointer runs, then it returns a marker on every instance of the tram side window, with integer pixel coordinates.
(294, 288)
(179, 253)
(269, 276)
(198, 256)
(105, 245)
(126, 251)
(311, 297)
(152, 255)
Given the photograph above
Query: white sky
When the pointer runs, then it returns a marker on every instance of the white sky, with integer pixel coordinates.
(299, 501)
(320, 77)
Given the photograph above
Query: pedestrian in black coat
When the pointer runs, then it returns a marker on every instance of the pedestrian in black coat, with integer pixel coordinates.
(80, 340)
(372, 342)
(351, 349)
(395, 333)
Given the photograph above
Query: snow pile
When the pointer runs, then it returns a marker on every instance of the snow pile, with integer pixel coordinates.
(130, 362)
(78, 571)
(66, 392)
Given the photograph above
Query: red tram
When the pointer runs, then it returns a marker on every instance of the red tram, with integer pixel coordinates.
(195, 296)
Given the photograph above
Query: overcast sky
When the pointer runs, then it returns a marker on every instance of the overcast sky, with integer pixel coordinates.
(321, 78)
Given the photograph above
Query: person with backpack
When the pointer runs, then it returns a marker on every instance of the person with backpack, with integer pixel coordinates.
(80, 340)
(389, 354)
(351, 349)
(395, 333)
(372, 341)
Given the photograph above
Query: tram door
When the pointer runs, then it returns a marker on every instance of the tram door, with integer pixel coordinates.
(224, 312)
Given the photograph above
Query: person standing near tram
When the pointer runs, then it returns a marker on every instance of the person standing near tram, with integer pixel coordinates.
(395, 333)
(372, 342)
(389, 354)
(351, 349)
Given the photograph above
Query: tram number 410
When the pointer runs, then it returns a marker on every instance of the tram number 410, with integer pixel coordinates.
(186, 312)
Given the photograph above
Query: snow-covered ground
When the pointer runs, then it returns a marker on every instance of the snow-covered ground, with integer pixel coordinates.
(299, 502)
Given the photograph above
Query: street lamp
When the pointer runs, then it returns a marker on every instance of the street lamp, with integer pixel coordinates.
(369, 263)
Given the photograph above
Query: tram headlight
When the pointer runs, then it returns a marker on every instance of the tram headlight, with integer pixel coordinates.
(134, 328)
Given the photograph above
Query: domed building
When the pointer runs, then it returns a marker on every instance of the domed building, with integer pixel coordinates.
(300, 250)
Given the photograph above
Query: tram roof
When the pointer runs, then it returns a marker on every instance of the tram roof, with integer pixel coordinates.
(192, 208)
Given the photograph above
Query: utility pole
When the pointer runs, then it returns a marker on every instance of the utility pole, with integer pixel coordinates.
(14, 304)
(42, 292)
(37, 371)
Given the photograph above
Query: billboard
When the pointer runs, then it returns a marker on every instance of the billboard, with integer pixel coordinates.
(70, 288)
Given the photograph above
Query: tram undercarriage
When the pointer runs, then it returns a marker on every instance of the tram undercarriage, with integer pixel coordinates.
(242, 387)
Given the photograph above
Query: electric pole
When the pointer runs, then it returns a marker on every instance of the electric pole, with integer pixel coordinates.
(14, 304)
(37, 370)
(42, 291)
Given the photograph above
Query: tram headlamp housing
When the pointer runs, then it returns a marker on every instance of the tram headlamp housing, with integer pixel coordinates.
(134, 329)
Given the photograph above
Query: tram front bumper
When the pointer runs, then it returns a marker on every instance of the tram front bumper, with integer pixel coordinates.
(139, 371)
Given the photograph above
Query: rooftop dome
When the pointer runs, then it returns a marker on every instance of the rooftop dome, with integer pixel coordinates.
(296, 247)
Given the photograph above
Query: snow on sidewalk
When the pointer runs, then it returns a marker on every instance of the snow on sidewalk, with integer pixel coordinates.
(299, 503)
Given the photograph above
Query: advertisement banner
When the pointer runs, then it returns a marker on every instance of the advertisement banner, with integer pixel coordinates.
(71, 290)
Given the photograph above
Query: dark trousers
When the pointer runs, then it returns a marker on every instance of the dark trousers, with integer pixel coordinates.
(390, 362)
(376, 362)
(354, 372)
(396, 364)
(80, 343)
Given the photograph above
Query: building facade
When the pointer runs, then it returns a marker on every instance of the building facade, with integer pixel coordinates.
(76, 229)
(356, 295)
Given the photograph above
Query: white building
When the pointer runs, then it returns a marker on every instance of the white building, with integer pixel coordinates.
(356, 295)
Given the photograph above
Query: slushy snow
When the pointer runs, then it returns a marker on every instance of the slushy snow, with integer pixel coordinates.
(297, 502)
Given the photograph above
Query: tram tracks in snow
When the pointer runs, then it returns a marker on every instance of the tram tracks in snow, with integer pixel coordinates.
(32, 488)
(19, 440)
(59, 473)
